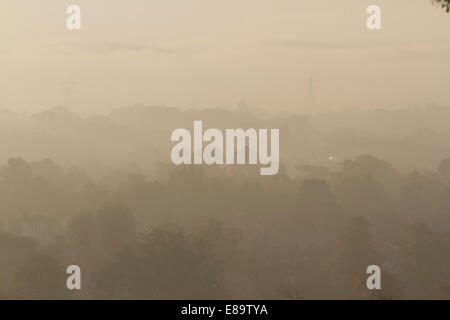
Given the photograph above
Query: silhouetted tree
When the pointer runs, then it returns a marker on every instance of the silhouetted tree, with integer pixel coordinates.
(445, 4)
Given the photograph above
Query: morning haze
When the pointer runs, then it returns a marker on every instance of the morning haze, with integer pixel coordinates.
(107, 165)
(212, 54)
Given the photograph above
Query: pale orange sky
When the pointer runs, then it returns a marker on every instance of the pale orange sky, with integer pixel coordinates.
(213, 53)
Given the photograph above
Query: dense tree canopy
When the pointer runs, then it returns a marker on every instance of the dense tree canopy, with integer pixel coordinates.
(235, 237)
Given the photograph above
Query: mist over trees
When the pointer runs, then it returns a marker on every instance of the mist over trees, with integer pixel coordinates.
(158, 231)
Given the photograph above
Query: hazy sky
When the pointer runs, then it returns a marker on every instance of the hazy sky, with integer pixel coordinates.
(214, 52)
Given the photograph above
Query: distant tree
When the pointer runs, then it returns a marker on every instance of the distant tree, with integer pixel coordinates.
(425, 262)
(355, 251)
(116, 225)
(83, 239)
(40, 278)
(317, 203)
(16, 174)
(48, 170)
(378, 169)
(22, 190)
(218, 241)
(444, 168)
(81, 229)
(362, 195)
(14, 251)
(165, 264)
